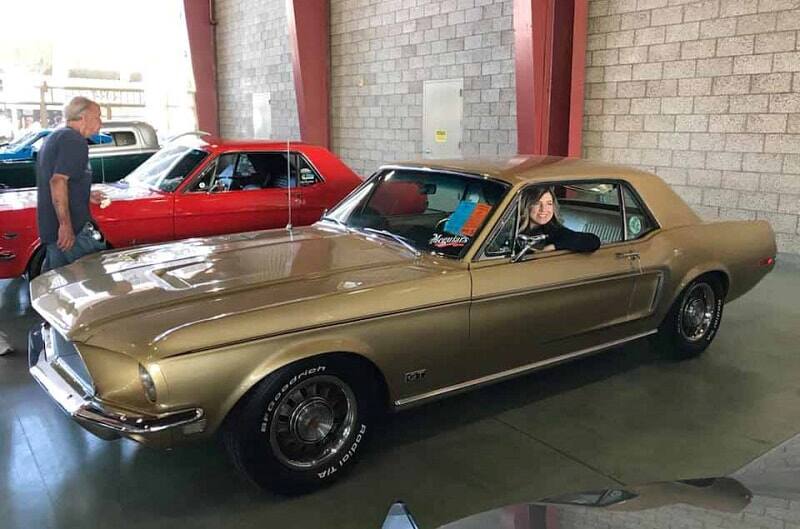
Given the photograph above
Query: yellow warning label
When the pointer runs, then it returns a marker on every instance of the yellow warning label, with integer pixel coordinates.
(441, 136)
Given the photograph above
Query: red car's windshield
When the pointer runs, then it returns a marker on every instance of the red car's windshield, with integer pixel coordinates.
(167, 168)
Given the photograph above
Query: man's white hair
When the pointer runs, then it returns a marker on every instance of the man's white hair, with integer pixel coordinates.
(76, 107)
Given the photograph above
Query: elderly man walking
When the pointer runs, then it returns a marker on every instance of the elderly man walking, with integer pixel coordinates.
(63, 181)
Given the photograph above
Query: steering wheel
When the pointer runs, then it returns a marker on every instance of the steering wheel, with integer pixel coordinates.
(441, 224)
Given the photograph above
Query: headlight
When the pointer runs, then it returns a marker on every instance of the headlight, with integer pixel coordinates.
(147, 384)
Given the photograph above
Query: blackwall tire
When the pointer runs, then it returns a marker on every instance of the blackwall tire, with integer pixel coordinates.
(693, 320)
(303, 426)
(36, 263)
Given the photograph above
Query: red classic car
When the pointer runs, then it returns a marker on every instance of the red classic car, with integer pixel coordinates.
(190, 188)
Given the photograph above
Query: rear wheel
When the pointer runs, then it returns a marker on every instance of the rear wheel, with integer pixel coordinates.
(693, 320)
(302, 427)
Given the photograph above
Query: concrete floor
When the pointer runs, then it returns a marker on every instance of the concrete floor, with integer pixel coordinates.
(624, 416)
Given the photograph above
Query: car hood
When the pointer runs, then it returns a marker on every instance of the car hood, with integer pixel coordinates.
(15, 200)
(26, 198)
(168, 299)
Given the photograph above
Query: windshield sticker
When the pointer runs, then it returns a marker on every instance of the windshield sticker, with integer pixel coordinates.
(475, 219)
(459, 217)
(440, 241)
(467, 218)
(634, 225)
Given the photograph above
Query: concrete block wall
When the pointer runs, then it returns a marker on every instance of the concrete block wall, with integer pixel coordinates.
(382, 51)
(707, 95)
(253, 56)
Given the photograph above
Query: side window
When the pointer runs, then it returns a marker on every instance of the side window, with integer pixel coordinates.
(206, 178)
(591, 207)
(298, 170)
(502, 241)
(637, 220)
(256, 170)
(307, 175)
(123, 138)
(223, 179)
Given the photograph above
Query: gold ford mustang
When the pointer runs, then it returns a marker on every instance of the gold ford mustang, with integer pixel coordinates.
(427, 280)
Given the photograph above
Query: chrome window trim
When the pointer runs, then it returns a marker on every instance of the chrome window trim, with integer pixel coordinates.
(480, 255)
(642, 206)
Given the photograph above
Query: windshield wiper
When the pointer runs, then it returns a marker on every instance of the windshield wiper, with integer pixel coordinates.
(395, 237)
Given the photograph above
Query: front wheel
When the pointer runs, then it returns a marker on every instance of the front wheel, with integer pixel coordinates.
(693, 320)
(302, 427)
(36, 263)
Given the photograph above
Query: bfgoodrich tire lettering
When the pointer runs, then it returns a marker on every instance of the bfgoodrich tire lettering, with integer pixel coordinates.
(303, 426)
(693, 320)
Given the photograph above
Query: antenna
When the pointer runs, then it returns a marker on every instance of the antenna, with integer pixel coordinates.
(289, 180)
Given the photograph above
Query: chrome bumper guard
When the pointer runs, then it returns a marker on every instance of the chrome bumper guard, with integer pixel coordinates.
(99, 418)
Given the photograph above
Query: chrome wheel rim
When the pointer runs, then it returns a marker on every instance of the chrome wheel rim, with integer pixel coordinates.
(697, 312)
(312, 422)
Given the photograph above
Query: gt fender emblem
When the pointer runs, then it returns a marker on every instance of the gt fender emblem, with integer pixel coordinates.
(415, 376)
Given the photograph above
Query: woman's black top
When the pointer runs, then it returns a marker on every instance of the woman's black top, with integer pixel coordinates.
(564, 238)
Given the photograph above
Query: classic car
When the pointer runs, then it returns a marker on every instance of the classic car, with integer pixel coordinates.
(192, 187)
(118, 149)
(414, 287)
(27, 146)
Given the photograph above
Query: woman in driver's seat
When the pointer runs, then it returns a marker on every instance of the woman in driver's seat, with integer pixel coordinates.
(540, 217)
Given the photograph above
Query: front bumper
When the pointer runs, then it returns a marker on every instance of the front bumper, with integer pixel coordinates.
(100, 418)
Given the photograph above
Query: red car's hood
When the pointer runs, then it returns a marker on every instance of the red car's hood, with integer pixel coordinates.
(16, 200)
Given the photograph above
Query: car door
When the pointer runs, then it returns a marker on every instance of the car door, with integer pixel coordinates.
(239, 191)
(554, 304)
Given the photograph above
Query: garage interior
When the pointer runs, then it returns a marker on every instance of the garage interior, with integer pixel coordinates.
(706, 94)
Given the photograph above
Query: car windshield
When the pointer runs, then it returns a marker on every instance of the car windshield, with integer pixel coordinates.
(167, 168)
(431, 211)
(23, 140)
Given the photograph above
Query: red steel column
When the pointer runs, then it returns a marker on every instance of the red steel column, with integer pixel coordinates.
(580, 23)
(550, 44)
(309, 34)
(204, 63)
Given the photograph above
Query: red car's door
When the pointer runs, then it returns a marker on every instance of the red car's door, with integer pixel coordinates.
(137, 215)
(237, 192)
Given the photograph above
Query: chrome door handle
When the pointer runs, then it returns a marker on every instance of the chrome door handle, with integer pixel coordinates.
(627, 255)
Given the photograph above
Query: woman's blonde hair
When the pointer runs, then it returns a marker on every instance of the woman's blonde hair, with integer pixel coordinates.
(532, 196)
